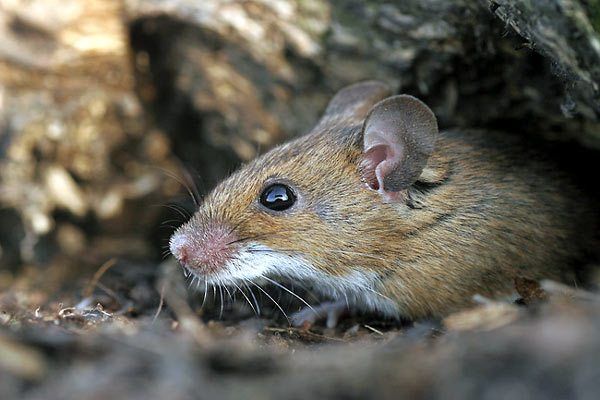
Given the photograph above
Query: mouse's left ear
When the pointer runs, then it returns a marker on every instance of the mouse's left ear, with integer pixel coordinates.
(398, 137)
(350, 106)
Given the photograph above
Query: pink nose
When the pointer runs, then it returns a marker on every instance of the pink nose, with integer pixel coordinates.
(204, 249)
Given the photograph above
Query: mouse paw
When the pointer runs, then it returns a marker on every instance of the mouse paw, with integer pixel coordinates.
(331, 311)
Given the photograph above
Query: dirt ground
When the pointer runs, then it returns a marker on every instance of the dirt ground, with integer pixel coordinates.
(129, 330)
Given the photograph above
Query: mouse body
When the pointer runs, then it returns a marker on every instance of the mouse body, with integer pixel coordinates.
(377, 209)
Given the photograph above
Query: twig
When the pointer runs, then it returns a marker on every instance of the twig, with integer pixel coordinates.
(161, 303)
(101, 271)
(377, 331)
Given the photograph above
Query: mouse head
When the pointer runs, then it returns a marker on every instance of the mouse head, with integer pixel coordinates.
(322, 206)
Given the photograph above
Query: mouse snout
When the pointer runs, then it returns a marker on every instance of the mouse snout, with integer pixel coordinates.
(203, 250)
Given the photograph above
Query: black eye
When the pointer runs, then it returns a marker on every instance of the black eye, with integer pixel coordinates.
(277, 197)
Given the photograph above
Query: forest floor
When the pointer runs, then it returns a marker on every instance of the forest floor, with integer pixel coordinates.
(129, 330)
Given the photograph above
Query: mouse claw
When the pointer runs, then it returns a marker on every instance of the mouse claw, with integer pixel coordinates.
(329, 311)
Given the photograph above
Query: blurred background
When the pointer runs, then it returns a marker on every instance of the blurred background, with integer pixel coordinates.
(109, 108)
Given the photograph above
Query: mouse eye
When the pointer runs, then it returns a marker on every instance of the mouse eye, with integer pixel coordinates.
(277, 197)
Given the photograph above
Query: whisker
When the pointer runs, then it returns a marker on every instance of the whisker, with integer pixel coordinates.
(165, 226)
(307, 290)
(177, 210)
(222, 302)
(364, 287)
(179, 207)
(253, 296)
(228, 292)
(273, 300)
(246, 297)
(279, 251)
(190, 283)
(182, 183)
(290, 292)
(168, 221)
(246, 238)
(239, 223)
(191, 181)
(205, 292)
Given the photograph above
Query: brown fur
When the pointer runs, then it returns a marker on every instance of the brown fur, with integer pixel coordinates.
(485, 211)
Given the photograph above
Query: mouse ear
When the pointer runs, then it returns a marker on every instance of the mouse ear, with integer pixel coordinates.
(351, 105)
(398, 137)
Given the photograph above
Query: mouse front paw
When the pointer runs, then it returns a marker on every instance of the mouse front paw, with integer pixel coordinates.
(330, 311)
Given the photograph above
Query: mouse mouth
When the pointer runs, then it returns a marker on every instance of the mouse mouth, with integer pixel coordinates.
(243, 263)
(212, 253)
(215, 255)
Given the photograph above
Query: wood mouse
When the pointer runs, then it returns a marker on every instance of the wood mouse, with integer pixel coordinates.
(378, 211)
